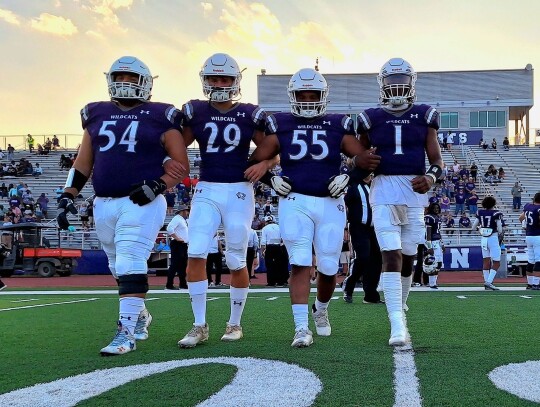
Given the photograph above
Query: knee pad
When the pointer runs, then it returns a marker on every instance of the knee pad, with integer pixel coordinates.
(327, 265)
(536, 266)
(133, 284)
(235, 259)
(406, 266)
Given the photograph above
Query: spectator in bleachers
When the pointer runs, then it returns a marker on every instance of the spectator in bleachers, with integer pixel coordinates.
(456, 167)
(27, 196)
(28, 216)
(2, 155)
(257, 223)
(472, 201)
(494, 144)
(469, 187)
(3, 191)
(197, 161)
(259, 190)
(59, 191)
(180, 189)
(66, 162)
(83, 213)
(12, 191)
(11, 170)
(38, 213)
(516, 196)
(449, 140)
(14, 206)
(460, 202)
(11, 152)
(47, 145)
(444, 204)
(43, 202)
(449, 223)
(30, 140)
(37, 170)
(484, 144)
(506, 144)
(465, 222)
(170, 197)
(434, 198)
(501, 174)
(55, 142)
(2, 211)
(268, 208)
(473, 171)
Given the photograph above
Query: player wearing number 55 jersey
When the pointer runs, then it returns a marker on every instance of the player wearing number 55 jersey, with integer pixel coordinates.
(224, 130)
(311, 209)
(124, 144)
(531, 217)
(402, 134)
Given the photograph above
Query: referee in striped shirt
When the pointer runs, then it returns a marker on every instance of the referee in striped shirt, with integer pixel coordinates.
(368, 260)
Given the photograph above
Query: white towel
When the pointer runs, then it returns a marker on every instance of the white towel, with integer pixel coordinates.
(399, 214)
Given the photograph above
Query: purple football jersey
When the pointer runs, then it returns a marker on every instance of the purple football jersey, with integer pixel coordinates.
(127, 143)
(435, 222)
(224, 138)
(400, 137)
(532, 216)
(310, 149)
(488, 218)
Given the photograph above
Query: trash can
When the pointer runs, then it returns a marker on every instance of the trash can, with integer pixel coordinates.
(503, 269)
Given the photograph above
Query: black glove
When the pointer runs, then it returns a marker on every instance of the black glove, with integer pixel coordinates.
(337, 185)
(147, 191)
(65, 205)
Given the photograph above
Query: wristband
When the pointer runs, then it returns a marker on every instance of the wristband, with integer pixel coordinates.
(75, 179)
(434, 172)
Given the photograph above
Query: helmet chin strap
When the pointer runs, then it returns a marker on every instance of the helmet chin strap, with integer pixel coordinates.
(397, 108)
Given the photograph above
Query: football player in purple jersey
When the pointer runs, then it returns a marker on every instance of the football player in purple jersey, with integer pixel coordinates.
(489, 222)
(403, 133)
(124, 145)
(311, 208)
(224, 130)
(531, 217)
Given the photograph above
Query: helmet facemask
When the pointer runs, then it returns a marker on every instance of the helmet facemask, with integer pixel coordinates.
(221, 65)
(221, 94)
(303, 81)
(139, 90)
(397, 89)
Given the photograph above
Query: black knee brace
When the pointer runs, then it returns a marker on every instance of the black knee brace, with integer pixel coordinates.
(133, 284)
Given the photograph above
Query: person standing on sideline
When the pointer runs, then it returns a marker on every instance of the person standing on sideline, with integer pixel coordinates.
(224, 130)
(252, 250)
(214, 262)
(489, 223)
(434, 241)
(531, 217)
(125, 157)
(177, 230)
(345, 256)
(403, 133)
(367, 261)
(311, 208)
(271, 250)
(516, 196)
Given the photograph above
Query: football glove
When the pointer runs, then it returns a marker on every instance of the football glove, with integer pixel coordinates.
(65, 205)
(282, 185)
(146, 191)
(337, 185)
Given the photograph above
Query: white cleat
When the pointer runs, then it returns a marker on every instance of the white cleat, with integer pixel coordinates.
(322, 324)
(302, 338)
(196, 335)
(123, 342)
(232, 333)
(143, 322)
(398, 332)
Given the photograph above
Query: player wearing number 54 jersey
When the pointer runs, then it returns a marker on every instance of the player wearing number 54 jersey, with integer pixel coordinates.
(311, 207)
(224, 130)
(124, 144)
(402, 134)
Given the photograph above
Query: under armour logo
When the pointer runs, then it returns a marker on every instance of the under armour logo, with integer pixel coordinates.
(326, 122)
(341, 208)
(145, 111)
(414, 115)
(123, 317)
(241, 195)
(241, 114)
(237, 302)
(291, 198)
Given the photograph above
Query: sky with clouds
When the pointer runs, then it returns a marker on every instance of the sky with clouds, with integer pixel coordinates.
(54, 52)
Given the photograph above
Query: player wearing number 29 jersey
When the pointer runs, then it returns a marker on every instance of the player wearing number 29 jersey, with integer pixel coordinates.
(224, 129)
(124, 144)
(402, 134)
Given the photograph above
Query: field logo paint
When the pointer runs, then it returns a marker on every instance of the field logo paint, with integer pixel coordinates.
(278, 384)
(459, 258)
(518, 379)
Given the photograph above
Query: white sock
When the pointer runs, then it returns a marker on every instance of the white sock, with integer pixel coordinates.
(238, 302)
(130, 308)
(300, 315)
(491, 276)
(530, 280)
(405, 289)
(197, 292)
(392, 296)
(486, 275)
(536, 280)
(320, 305)
(432, 281)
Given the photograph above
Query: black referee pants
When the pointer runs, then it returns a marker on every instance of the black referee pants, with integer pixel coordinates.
(179, 258)
(367, 262)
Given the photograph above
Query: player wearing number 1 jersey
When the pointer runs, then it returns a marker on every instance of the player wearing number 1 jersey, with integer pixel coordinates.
(311, 208)
(124, 144)
(402, 134)
(224, 130)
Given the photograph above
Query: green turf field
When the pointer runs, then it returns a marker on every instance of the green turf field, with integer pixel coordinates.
(457, 342)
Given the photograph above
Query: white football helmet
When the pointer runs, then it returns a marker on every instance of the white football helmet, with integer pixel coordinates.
(128, 90)
(429, 265)
(396, 83)
(303, 80)
(221, 65)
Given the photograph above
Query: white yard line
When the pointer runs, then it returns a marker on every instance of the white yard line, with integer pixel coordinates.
(406, 385)
(31, 299)
(525, 296)
(461, 297)
(272, 298)
(48, 305)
